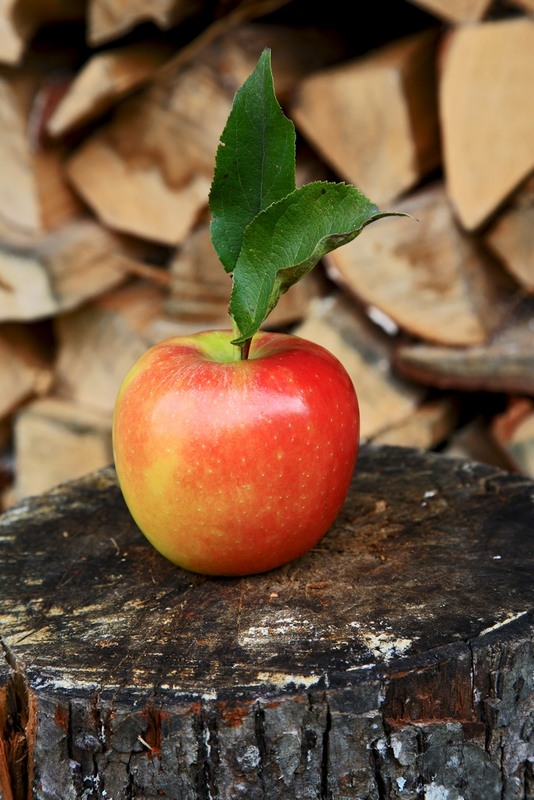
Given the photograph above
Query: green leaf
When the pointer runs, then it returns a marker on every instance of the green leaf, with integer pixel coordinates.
(255, 162)
(287, 239)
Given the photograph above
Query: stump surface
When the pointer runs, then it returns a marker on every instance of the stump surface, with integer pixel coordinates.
(396, 655)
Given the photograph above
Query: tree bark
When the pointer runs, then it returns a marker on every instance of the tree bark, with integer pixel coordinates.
(394, 660)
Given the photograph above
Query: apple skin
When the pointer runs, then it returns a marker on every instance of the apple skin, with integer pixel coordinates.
(234, 467)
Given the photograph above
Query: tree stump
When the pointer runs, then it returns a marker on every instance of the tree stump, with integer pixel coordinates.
(394, 660)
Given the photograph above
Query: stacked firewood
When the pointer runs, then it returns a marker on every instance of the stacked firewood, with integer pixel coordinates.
(111, 113)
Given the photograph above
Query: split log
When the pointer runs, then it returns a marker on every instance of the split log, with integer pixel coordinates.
(485, 115)
(427, 276)
(433, 423)
(106, 78)
(374, 119)
(510, 237)
(111, 19)
(147, 185)
(456, 10)
(148, 171)
(25, 368)
(513, 431)
(504, 364)
(394, 658)
(473, 443)
(84, 260)
(60, 271)
(34, 195)
(295, 52)
(136, 199)
(56, 441)
(199, 288)
(97, 344)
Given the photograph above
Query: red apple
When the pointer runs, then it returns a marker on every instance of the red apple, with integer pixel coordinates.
(235, 466)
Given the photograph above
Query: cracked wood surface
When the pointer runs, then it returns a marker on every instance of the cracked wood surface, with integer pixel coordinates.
(394, 660)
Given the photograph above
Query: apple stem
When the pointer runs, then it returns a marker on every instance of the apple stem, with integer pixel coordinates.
(244, 347)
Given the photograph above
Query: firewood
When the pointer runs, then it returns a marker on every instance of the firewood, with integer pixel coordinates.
(134, 199)
(510, 237)
(199, 288)
(25, 368)
(57, 440)
(473, 443)
(456, 10)
(374, 119)
(296, 52)
(513, 431)
(97, 344)
(229, 26)
(364, 350)
(111, 19)
(84, 260)
(106, 77)
(148, 172)
(25, 289)
(504, 364)
(64, 269)
(34, 195)
(424, 273)
(20, 19)
(487, 125)
(430, 425)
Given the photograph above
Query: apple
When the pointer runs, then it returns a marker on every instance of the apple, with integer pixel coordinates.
(235, 449)
(233, 467)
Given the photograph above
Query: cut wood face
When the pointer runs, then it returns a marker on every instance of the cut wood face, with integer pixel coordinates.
(35, 197)
(513, 432)
(430, 425)
(25, 368)
(64, 269)
(511, 238)
(146, 185)
(136, 199)
(456, 10)
(424, 273)
(79, 437)
(102, 82)
(111, 19)
(487, 72)
(374, 120)
(100, 342)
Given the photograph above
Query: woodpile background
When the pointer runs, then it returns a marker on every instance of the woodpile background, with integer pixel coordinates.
(110, 115)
